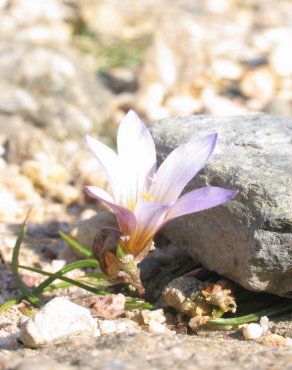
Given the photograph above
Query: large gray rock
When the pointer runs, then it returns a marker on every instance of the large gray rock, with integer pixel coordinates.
(239, 239)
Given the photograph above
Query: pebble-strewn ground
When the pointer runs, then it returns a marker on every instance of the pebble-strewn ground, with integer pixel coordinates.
(70, 67)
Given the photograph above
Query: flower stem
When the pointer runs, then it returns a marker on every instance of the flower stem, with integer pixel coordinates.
(126, 261)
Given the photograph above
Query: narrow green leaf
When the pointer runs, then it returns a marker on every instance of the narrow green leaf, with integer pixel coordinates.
(253, 317)
(18, 299)
(26, 312)
(75, 245)
(217, 312)
(44, 286)
(94, 282)
(56, 286)
(64, 270)
(33, 299)
(10, 303)
(187, 268)
(68, 280)
(100, 275)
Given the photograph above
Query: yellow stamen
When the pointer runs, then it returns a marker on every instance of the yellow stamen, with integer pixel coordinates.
(147, 197)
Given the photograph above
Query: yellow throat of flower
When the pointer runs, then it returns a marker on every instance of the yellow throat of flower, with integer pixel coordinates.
(147, 197)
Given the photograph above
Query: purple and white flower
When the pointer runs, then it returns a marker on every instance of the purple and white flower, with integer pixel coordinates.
(144, 198)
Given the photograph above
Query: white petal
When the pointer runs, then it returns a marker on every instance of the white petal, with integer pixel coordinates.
(109, 162)
(137, 157)
(180, 167)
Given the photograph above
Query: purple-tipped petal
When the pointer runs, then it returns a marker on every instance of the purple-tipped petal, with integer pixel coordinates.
(149, 217)
(137, 157)
(180, 167)
(109, 162)
(198, 200)
(126, 219)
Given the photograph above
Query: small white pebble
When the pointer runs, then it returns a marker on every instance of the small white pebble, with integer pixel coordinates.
(157, 315)
(3, 164)
(288, 342)
(10, 242)
(107, 327)
(97, 333)
(122, 326)
(155, 327)
(58, 264)
(264, 322)
(252, 331)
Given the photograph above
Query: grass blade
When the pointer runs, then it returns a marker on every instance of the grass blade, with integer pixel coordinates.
(44, 286)
(64, 270)
(33, 299)
(129, 305)
(68, 280)
(75, 245)
(253, 317)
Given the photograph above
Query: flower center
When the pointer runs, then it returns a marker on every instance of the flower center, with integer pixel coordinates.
(147, 196)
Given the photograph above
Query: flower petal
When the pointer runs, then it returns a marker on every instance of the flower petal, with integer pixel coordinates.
(137, 157)
(126, 219)
(108, 161)
(180, 167)
(149, 217)
(198, 200)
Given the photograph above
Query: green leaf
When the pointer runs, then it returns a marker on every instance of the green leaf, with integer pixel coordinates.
(44, 286)
(68, 280)
(75, 245)
(32, 298)
(64, 270)
(253, 317)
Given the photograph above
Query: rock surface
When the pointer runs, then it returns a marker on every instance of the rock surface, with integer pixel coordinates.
(57, 321)
(239, 239)
(125, 351)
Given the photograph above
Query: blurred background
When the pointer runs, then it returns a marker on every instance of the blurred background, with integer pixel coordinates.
(71, 66)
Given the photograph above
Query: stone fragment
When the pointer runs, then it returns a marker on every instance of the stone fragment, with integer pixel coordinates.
(181, 294)
(264, 322)
(252, 331)
(274, 340)
(239, 239)
(259, 84)
(110, 306)
(9, 343)
(279, 107)
(43, 173)
(57, 321)
(19, 185)
(281, 59)
(85, 231)
(198, 321)
(29, 281)
(126, 325)
(226, 69)
(184, 105)
(107, 327)
(157, 315)
(156, 327)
